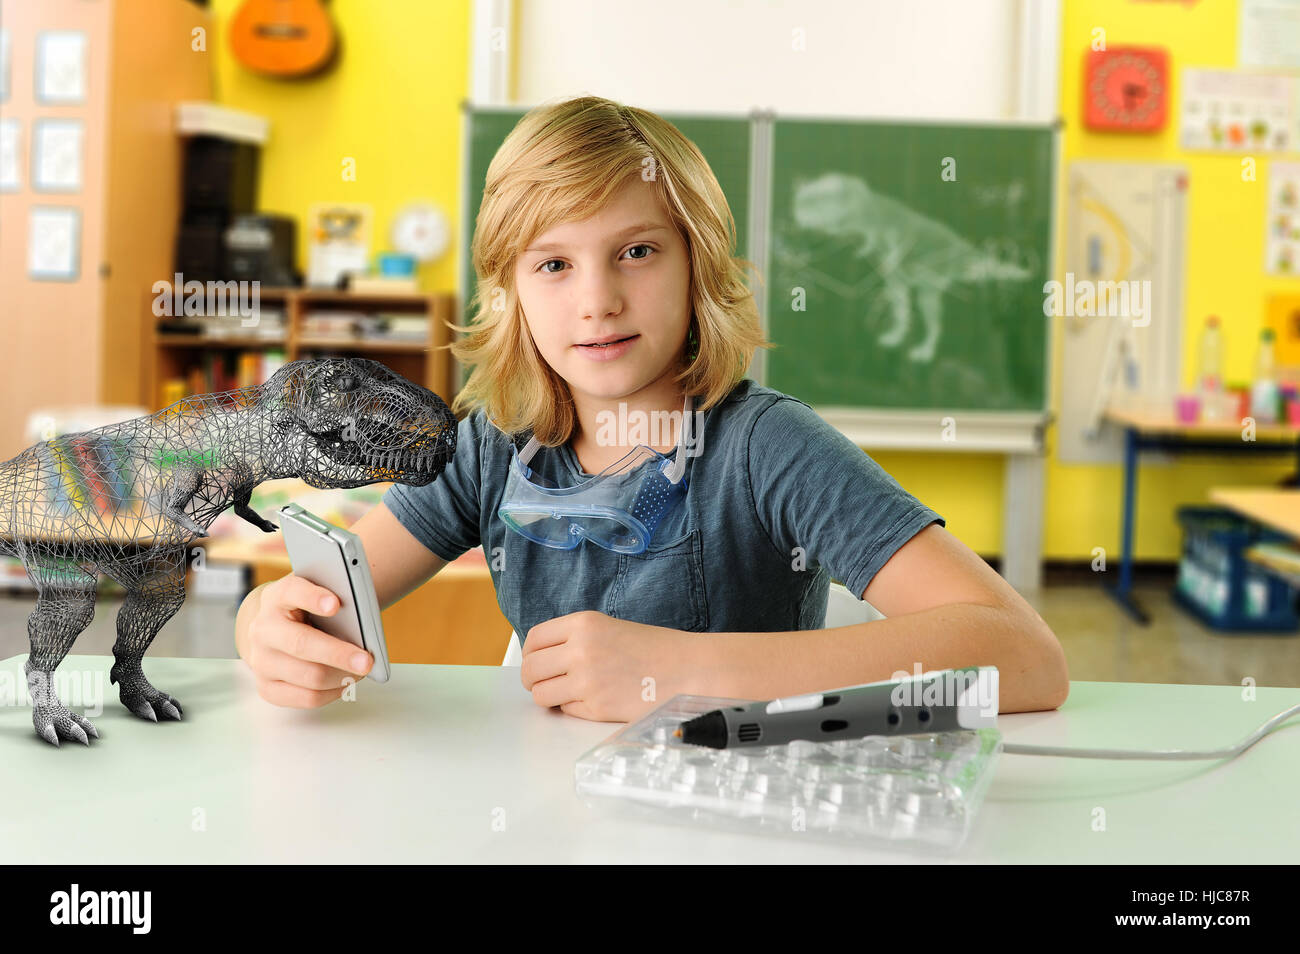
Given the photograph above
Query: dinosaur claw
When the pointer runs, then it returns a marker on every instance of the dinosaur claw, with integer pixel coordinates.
(53, 723)
(146, 701)
(169, 710)
(144, 710)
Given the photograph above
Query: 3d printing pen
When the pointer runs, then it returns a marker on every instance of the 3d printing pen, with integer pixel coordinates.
(940, 701)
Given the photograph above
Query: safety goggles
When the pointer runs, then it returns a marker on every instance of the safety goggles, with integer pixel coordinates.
(618, 509)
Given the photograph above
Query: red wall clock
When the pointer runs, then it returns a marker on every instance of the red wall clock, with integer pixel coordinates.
(1126, 88)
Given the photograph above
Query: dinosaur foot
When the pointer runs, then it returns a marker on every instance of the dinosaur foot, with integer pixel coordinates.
(53, 721)
(922, 353)
(143, 699)
(892, 337)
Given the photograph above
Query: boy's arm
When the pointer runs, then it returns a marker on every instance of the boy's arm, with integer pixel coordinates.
(399, 563)
(946, 609)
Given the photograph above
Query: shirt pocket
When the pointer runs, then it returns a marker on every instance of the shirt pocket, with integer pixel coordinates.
(664, 585)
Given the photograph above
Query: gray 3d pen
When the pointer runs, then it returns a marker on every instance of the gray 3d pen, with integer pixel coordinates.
(940, 701)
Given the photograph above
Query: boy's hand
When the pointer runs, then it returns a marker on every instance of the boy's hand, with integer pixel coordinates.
(295, 663)
(607, 670)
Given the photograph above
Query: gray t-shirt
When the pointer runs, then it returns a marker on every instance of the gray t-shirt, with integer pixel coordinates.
(778, 502)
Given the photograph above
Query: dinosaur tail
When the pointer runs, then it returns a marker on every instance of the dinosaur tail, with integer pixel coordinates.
(989, 269)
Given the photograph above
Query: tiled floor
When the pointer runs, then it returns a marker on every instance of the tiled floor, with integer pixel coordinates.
(204, 627)
(1101, 643)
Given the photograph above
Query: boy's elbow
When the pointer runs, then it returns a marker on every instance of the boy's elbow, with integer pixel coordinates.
(1059, 680)
(1043, 678)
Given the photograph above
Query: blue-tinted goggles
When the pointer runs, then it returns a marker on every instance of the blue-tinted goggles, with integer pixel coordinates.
(618, 509)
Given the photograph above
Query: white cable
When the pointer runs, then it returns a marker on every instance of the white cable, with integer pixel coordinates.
(1167, 754)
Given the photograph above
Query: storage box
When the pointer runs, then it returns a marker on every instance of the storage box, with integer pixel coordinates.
(1218, 585)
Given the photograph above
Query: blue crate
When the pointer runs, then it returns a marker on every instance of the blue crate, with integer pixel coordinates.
(1218, 585)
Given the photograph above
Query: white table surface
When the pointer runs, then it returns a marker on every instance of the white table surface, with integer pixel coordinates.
(440, 752)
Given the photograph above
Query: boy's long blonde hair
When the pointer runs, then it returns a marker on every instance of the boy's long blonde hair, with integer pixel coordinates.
(560, 163)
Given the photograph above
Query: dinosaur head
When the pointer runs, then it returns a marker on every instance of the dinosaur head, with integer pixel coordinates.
(832, 203)
(347, 422)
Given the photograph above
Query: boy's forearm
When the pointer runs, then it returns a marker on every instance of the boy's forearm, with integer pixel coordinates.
(1031, 665)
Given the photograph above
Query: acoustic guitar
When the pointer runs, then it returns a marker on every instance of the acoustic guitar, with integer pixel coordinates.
(283, 38)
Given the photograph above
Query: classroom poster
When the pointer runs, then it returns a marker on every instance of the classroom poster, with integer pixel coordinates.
(1282, 243)
(1227, 111)
(1269, 34)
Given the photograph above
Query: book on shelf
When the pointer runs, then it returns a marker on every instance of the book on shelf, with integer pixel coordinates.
(379, 285)
(380, 326)
(217, 371)
(269, 323)
(332, 324)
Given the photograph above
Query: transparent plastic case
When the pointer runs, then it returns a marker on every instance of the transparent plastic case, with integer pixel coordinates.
(914, 791)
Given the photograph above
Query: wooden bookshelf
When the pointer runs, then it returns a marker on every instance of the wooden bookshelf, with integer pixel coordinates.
(428, 362)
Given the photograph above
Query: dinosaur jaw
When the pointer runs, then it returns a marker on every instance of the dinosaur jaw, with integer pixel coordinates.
(382, 453)
(416, 466)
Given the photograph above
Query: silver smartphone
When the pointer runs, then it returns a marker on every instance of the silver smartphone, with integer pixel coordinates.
(332, 557)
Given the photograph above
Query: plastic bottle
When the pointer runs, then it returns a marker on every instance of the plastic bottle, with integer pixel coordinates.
(1209, 381)
(1264, 392)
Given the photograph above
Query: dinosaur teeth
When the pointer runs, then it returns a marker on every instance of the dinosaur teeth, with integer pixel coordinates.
(409, 458)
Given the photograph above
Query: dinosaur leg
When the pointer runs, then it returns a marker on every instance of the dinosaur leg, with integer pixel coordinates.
(242, 497)
(929, 301)
(185, 485)
(64, 607)
(154, 593)
(899, 298)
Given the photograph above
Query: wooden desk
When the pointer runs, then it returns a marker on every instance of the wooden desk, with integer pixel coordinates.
(1278, 509)
(1147, 431)
(1155, 424)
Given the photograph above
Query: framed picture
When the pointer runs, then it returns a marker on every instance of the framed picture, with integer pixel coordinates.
(56, 155)
(10, 149)
(54, 243)
(338, 242)
(61, 67)
(4, 65)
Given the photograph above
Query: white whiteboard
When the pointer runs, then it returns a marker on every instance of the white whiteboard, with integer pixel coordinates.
(920, 59)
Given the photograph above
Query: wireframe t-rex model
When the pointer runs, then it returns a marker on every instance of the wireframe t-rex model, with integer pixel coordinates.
(126, 500)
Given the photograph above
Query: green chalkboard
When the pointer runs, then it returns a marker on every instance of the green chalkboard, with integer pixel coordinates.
(893, 286)
(724, 142)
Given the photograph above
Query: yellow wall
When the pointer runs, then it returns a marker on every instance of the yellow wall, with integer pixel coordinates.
(393, 105)
(1224, 267)
(1224, 276)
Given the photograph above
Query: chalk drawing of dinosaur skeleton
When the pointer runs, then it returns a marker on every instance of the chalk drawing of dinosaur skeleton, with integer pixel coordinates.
(914, 255)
